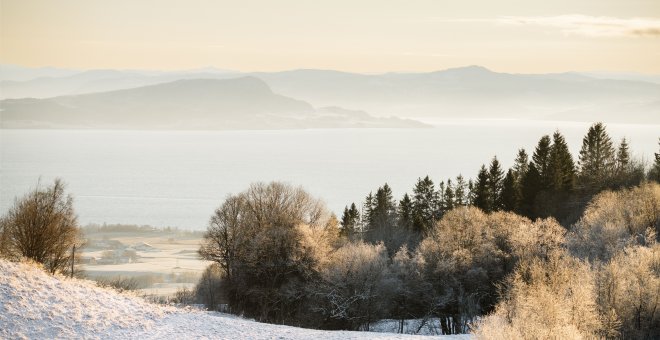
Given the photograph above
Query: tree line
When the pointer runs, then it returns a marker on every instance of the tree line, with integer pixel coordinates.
(550, 184)
(470, 255)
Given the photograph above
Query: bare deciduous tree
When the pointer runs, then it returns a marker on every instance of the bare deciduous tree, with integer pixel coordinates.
(42, 226)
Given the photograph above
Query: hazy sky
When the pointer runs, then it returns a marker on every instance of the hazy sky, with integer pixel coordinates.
(362, 36)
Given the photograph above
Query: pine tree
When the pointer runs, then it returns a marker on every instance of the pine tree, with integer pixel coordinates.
(561, 169)
(471, 192)
(623, 155)
(520, 168)
(384, 208)
(350, 220)
(346, 225)
(495, 176)
(425, 205)
(367, 211)
(406, 211)
(461, 191)
(448, 203)
(441, 199)
(520, 164)
(509, 196)
(531, 186)
(541, 160)
(654, 173)
(481, 193)
(597, 159)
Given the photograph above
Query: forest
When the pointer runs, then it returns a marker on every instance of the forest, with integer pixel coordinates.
(553, 247)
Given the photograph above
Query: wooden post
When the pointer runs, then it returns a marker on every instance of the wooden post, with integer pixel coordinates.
(73, 258)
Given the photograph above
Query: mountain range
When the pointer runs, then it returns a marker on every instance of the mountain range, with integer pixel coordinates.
(471, 92)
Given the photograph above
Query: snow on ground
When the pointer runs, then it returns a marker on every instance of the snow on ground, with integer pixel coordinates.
(35, 305)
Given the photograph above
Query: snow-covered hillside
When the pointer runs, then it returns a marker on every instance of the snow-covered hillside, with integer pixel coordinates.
(35, 305)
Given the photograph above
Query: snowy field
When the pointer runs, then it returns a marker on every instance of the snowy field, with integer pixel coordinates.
(35, 305)
(169, 258)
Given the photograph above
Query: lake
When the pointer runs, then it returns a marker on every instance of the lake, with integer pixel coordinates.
(178, 178)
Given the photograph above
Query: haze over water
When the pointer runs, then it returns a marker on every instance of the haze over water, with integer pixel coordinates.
(178, 178)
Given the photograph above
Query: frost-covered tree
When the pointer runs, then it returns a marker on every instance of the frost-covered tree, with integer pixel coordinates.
(355, 289)
(553, 298)
(628, 294)
(270, 240)
(614, 220)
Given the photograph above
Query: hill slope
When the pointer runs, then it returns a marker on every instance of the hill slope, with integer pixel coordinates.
(238, 103)
(35, 305)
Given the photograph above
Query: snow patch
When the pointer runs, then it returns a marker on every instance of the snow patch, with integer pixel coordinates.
(36, 305)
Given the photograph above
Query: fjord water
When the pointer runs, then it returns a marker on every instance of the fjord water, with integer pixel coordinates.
(178, 178)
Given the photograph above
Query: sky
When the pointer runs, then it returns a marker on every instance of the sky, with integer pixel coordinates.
(367, 36)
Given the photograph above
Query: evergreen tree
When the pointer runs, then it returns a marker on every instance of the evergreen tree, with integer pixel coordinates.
(561, 169)
(425, 204)
(481, 190)
(448, 202)
(509, 200)
(654, 173)
(597, 159)
(541, 160)
(367, 211)
(461, 191)
(471, 192)
(531, 186)
(350, 220)
(623, 155)
(495, 176)
(520, 164)
(384, 208)
(406, 211)
(441, 200)
(520, 168)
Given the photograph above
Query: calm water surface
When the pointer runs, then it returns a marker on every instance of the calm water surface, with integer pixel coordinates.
(177, 178)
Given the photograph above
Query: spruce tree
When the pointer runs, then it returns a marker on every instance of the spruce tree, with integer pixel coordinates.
(531, 186)
(509, 200)
(597, 159)
(481, 190)
(561, 168)
(346, 226)
(623, 155)
(654, 173)
(384, 208)
(541, 160)
(520, 164)
(471, 192)
(495, 177)
(448, 203)
(425, 205)
(406, 210)
(350, 221)
(520, 168)
(461, 191)
(441, 199)
(367, 211)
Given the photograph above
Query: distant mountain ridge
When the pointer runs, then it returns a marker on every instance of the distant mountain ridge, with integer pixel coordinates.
(237, 103)
(468, 92)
